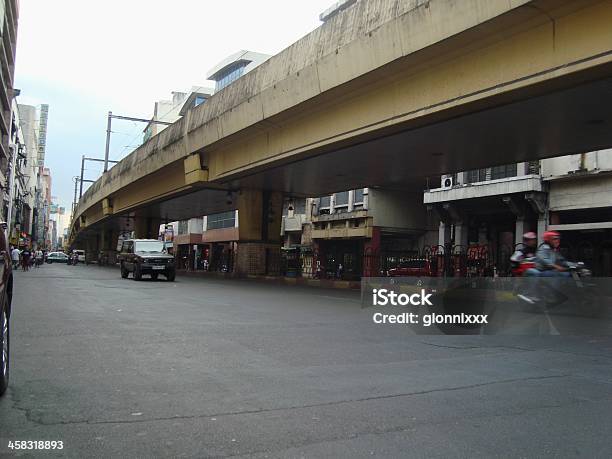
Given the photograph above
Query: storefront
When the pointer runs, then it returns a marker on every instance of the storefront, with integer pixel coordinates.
(219, 256)
(220, 242)
(340, 258)
(188, 250)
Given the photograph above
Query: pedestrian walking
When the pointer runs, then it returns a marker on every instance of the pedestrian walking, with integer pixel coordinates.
(15, 257)
(39, 258)
(26, 254)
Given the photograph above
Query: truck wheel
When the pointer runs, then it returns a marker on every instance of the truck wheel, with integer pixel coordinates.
(124, 272)
(171, 275)
(4, 346)
(137, 272)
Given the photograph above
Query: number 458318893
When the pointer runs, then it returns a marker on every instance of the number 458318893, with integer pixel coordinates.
(35, 444)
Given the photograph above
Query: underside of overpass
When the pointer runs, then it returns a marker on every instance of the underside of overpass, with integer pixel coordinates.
(531, 82)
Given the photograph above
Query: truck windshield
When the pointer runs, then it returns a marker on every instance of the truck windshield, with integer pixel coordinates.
(149, 246)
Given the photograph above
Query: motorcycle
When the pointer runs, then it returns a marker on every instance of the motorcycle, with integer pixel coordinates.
(518, 269)
(572, 296)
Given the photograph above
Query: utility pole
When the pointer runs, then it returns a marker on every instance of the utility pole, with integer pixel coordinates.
(76, 184)
(82, 171)
(83, 159)
(108, 131)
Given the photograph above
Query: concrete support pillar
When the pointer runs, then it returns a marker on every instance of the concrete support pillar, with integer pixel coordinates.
(542, 226)
(519, 230)
(91, 249)
(482, 235)
(371, 255)
(260, 214)
(443, 234)
(461, 235)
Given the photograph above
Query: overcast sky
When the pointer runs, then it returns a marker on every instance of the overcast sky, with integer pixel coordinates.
(85, 58)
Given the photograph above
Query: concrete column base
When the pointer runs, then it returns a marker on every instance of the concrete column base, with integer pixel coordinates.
(257, 258)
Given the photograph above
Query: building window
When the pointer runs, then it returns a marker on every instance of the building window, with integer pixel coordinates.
(183, 226)
(231, 76)
(299, 206)
(500, 172)
(533, 167)
(341, 199)
(358, 200)
(324, 204)
(221, 220)
(477, 175)
(199, 100)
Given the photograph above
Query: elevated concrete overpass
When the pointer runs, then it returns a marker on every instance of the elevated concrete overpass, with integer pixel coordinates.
(386, 94)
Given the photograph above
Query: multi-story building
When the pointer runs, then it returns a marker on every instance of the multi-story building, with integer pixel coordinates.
(198, 95)
(360, 232)
(44, 210)
(166, 111)
(206, 243)
(18, 211)
(169, 111)
(491, 208)
(579, 206)
(34, 220)
(234, 66)
(28, 121)
(9, 12)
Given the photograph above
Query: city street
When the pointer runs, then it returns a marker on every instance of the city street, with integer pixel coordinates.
(213, 367)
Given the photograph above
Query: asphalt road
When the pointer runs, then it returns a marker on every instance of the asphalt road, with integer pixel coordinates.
(214, 367)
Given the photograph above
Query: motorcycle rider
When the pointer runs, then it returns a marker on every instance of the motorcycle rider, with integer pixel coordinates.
(528, 249)
(549, 261)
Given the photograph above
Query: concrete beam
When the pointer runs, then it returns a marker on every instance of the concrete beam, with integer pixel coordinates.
(195, 172)
(107, 207)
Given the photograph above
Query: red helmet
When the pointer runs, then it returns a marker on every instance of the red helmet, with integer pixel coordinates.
(550, 235)
(529, 235)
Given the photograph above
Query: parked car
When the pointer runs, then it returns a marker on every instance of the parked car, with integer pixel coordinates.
(145, 256)
(57, 257)
(6, 295)
(412, 268)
